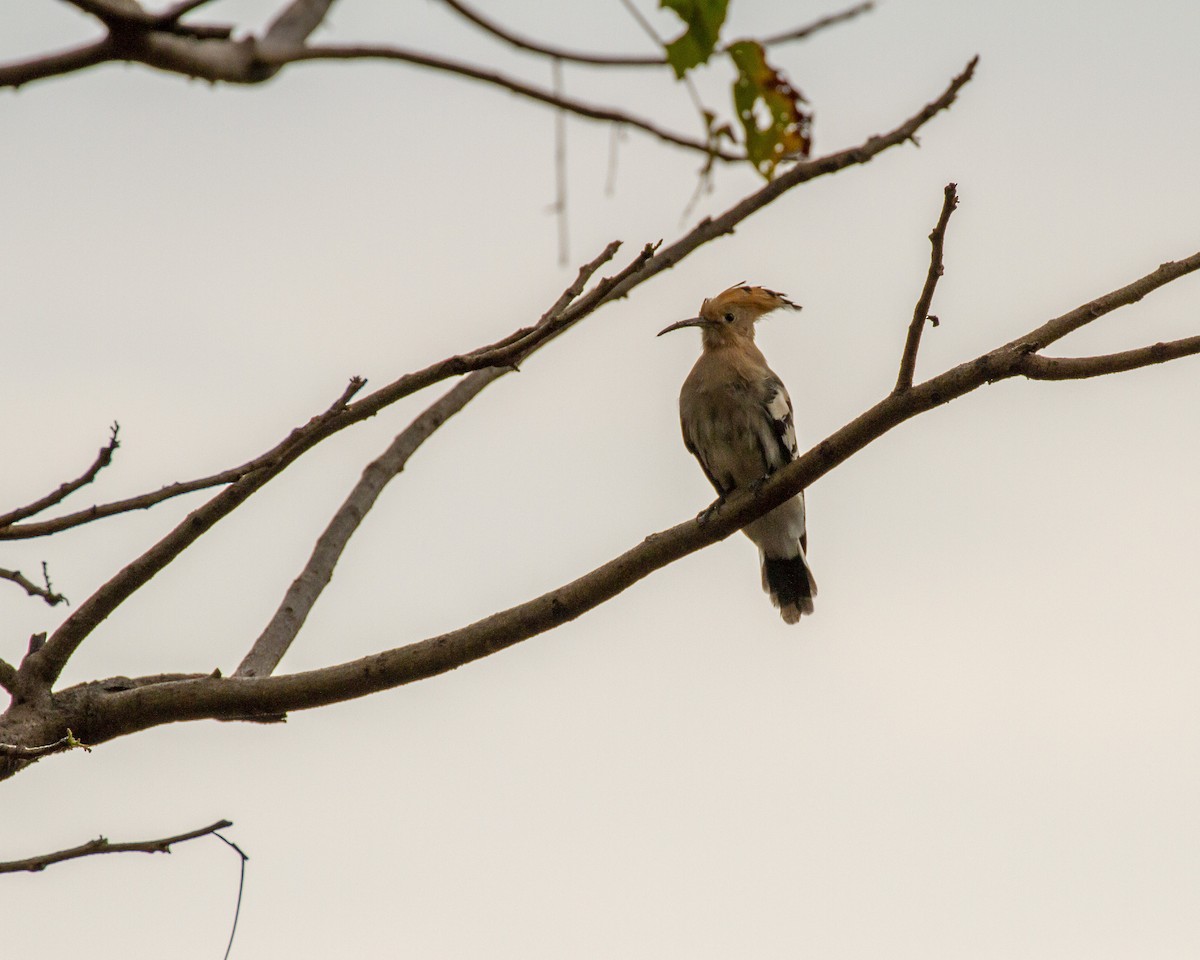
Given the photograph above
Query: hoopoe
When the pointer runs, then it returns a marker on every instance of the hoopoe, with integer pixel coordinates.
(737, 421)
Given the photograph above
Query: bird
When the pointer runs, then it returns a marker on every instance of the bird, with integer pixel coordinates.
(737, 421)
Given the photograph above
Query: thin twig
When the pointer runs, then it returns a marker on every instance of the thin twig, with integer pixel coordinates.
(557, 53)
(622, 60)
(32, 589)
(937, 240)
(103, 459)
(102, 845)
(16, 751)
(237, 909)
(803, 33)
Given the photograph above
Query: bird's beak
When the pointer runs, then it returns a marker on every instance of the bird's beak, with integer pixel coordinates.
(690, 322)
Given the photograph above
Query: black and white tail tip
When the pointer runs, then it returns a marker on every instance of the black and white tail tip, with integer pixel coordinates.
(790, 584)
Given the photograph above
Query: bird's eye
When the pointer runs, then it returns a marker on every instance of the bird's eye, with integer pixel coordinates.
(729, 318)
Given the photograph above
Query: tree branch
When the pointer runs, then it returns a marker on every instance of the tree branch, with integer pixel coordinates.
(279, 633)
(937, 239)
(32, 589)
(103, 459)
(1037, 367)
(556, 53)
(621, 60)
(577, 107)
(45, 528)
(803, 33)
(102, 845)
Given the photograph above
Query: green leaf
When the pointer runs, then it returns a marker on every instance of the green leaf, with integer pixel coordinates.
(696, 44)
(769, 108)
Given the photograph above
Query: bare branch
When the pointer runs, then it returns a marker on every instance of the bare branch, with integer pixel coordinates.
(103, 459)
(30, 531)
(577, 107)
(937, 239)
(102, 845)
(277, 637)
(1037, 367)
(8, 677)
(557, 53)
(32, 589)
(803, 33)
(620, 60)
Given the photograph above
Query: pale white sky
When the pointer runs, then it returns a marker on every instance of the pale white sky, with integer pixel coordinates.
(985, 742)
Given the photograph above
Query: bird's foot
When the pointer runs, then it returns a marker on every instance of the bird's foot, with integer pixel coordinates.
(707, 513)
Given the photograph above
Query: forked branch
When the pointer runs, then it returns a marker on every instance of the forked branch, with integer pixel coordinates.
(46, 593)
(618, 60)
(103, 459)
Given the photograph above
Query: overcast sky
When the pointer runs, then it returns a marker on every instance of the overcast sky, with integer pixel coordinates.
(986, 741)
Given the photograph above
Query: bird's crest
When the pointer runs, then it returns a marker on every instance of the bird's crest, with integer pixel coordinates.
(757, 300)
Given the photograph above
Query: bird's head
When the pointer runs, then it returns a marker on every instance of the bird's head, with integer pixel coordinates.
(730, 315)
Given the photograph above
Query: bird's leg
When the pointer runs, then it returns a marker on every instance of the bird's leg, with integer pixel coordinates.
(757, 485)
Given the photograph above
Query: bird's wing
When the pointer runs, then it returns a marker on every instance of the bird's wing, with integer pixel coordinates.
(779, 444)
(691, 448)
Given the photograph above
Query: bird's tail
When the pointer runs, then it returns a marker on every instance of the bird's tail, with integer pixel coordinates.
(791, 585)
